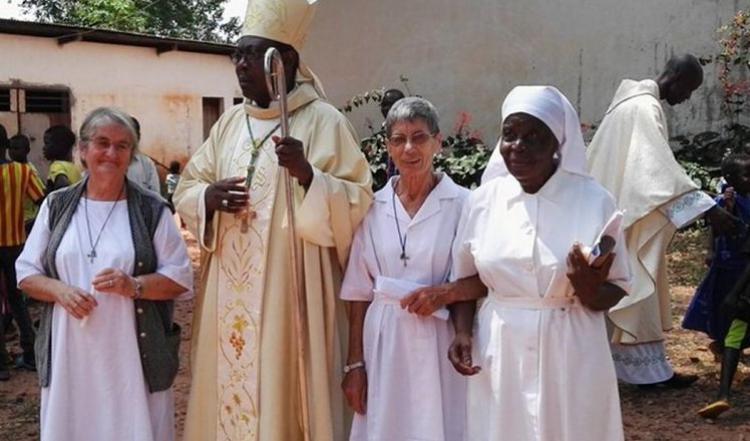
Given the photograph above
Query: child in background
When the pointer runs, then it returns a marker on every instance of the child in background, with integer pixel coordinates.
(58, 149)
(18, 151)
(726, 259)
(737, 307)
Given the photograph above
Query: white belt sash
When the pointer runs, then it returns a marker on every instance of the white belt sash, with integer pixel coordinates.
(532, 302)
(391, 291)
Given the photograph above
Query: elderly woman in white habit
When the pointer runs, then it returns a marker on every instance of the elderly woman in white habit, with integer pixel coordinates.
(397, 377)
(106, 260)
(541, 342)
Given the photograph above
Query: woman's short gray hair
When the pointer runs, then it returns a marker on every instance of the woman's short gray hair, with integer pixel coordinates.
(410, 109)
(104, 116)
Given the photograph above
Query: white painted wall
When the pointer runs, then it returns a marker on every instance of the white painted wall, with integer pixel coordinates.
(466, 55)
(163, 91)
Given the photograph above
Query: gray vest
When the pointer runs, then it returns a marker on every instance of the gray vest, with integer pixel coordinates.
(158, 337)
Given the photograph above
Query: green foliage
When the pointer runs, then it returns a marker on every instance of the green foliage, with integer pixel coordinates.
(733, 59)
(376, 152)
(464, 155)
(189, 19)
(701, 155)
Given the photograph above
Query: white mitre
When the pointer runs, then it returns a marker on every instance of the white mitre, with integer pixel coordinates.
(286, 21)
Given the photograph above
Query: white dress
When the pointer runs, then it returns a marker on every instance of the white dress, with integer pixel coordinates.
(97, 389)
(413, 391)
(547, 372)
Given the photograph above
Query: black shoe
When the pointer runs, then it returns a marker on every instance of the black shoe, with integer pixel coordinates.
(676, 381)
(23, 363)
(4, 375)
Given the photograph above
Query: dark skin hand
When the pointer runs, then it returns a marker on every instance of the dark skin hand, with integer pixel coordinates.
(590, 283)
(291, 154)
(231, 189)
(729, 199)
(722, 221)
(462, 304)
(459, 352)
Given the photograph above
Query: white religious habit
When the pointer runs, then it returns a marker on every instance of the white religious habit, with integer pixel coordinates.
(630, 156)
(413, 392)
(547, 372)
(97, 390)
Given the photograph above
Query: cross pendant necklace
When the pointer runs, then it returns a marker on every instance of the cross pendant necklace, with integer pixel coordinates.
(401, 241)
(92, 254)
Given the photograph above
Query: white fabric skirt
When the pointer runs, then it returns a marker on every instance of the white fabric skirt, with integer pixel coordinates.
(547, 374)
(413, 394)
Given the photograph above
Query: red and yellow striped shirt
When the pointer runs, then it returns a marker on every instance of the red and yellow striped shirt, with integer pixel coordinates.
(16, 181)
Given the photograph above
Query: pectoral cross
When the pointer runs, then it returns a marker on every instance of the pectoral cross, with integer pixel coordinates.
(91, 255)
(246, 216)
(404, 257)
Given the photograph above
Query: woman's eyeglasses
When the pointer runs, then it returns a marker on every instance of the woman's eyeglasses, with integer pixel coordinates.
(417, 139)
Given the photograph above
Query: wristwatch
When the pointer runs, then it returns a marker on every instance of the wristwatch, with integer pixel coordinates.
(356, 365)
(138, 289)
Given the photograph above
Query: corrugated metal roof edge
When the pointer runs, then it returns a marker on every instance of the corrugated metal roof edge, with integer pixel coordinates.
(68, 34)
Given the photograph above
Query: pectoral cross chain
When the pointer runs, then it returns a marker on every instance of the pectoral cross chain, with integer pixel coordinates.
(404, 257)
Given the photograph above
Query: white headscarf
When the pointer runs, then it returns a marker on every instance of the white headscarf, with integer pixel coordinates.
(551, 107)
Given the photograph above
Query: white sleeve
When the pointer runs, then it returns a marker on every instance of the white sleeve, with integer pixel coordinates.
(620, 273)
(687, 208)
(29, 263)
(462, 256)
(171, 254)
(153, 176)
(358, 280)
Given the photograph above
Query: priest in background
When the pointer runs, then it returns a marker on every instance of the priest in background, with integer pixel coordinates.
(630, 156)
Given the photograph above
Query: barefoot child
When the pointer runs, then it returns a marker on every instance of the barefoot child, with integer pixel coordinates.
(737, 306)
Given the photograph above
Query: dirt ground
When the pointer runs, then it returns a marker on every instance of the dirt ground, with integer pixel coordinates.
(647, 415)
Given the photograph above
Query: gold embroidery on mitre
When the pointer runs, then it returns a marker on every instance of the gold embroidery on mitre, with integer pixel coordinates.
(286, 21)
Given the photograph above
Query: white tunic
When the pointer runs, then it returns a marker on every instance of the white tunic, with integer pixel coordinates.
(97, 389)
(547, 373)
(413, 391)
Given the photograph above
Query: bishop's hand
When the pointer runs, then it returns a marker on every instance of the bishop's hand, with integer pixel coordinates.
(291, 154)
(228, 195)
